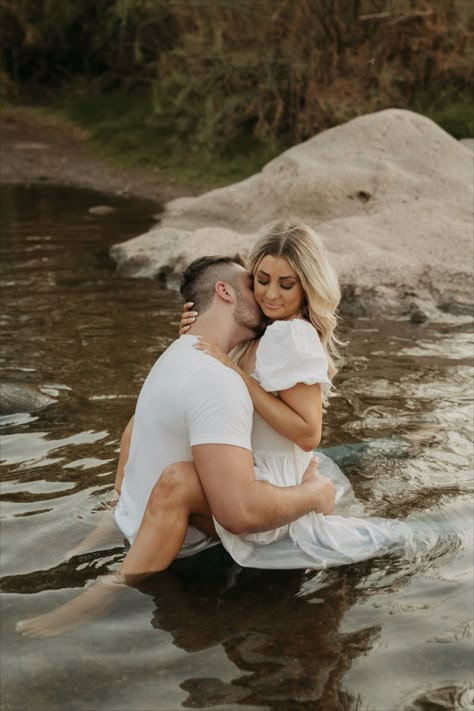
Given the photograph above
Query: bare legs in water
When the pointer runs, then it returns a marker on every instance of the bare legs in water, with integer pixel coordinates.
(106, 530)
(176, 500)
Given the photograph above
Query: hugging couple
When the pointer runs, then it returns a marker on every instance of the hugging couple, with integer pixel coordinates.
(220, 449)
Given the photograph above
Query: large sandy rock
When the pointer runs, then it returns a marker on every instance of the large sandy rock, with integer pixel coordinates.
(390, 193)
(468, 142)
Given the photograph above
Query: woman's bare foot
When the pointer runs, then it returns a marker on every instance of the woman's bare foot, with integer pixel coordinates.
(91, 603)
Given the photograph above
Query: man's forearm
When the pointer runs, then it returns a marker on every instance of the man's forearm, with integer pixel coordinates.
(242, 504)
(273, 506)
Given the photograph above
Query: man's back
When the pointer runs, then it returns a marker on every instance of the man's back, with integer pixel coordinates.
(184, 401)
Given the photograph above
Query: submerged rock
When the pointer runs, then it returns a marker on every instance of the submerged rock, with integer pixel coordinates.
(16, 397)
(390, 193)
(101, 210)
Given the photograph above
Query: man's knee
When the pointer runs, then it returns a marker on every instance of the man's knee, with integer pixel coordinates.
(169, 490)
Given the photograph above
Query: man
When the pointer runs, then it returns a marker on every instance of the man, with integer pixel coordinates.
(193, 409)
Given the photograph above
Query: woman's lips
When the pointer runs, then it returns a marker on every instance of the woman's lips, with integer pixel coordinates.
(272, 306)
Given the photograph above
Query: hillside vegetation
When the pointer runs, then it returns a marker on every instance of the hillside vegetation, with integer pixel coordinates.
(218, 87)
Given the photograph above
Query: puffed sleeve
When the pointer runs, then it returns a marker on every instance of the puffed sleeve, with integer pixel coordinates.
(290, 352)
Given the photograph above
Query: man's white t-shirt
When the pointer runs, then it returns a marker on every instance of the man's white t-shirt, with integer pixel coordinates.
(187, 399)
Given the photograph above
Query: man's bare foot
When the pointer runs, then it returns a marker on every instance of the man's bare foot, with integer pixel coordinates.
(91, 603)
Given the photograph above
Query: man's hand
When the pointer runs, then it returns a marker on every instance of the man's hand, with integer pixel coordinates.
(326, 493)
(243, 504)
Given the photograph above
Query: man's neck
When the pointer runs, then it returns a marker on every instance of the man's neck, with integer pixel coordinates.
(221, 331)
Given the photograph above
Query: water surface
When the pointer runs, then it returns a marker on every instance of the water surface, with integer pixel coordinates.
(393, 633)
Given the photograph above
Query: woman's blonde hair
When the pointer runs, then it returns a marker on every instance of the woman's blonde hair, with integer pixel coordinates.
(305, 252)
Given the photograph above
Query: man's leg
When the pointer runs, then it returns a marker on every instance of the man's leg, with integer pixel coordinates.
(106, 532)
(177, 497)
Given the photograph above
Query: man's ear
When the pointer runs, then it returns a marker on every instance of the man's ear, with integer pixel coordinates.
(225, 291)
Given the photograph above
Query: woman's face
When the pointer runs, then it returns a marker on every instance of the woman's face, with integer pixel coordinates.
(277, 289)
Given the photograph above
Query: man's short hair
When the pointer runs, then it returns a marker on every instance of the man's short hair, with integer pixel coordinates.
(200, 277)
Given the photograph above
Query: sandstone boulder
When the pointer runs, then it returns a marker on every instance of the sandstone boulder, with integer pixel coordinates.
(390, 193)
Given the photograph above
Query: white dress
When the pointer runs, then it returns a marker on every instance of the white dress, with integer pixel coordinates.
(291, 352)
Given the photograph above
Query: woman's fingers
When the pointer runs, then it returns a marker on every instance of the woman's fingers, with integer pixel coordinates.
(187, 318)
(187, 313)
(210, 348)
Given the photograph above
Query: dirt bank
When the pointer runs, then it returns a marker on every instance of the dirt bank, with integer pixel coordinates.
(40, 147)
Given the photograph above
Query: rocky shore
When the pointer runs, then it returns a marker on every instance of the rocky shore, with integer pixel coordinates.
(390, 193)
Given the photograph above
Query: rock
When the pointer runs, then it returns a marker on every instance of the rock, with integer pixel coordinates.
(468, 142)
(417, 315)
(390, 193)
(101, 210)
(16, 397)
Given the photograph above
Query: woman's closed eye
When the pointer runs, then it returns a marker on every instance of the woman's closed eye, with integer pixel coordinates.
(283, 286)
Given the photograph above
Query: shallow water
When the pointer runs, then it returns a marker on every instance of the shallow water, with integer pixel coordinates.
(393, 633)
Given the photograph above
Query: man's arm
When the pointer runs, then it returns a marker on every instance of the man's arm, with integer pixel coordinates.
(123, 456)
(241, 504)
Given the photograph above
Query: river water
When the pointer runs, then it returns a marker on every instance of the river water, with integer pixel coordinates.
(388, 634)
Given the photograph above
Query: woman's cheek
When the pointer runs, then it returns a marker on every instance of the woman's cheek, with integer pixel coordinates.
(258, 295)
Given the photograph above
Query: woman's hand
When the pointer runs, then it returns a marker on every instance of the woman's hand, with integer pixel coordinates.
(216, 352)
(188, 317)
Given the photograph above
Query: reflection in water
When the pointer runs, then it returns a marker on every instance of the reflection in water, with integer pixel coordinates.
(382, 635)
(286, 643)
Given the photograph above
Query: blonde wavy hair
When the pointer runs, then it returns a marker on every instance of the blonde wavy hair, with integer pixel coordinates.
(304, 251)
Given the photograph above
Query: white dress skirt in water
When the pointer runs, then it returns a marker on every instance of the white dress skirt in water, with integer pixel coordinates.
(290, 352)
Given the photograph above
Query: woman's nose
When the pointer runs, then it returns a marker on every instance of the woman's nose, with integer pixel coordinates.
(272, 291)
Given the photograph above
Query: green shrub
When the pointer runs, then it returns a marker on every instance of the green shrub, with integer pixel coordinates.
(234, 81)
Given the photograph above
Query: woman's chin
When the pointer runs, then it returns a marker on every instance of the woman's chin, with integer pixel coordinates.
(277, 315)
(273, 314)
